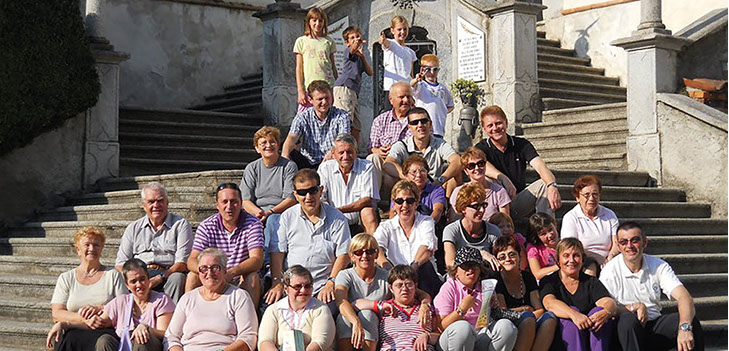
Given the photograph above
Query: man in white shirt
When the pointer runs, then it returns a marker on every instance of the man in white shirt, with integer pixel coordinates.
(350, 184)
(636, 280)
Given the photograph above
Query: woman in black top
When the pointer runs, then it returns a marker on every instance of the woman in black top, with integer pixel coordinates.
(583, 305)
(519, 291)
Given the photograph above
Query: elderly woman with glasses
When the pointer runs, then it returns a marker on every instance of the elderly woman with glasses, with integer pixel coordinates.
(409, 237)
(297, 312)
(593, 224)
(472, 230)
(475, 164)
(216, 315)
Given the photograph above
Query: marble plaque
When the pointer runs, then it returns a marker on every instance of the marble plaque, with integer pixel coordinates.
(335, 33)
(471, 52)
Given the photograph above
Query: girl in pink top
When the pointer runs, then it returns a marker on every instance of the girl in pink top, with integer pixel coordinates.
(543, 238)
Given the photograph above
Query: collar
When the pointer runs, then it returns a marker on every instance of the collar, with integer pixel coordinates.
(238, 227)
(410, 144)
(464, 288)
(509, 142)
(483, 223)
(322, 212)
(581, 214)
(167, 222)
(355, 167)
(626, 272)
(431, 84)
(393, 117)
(284, 304)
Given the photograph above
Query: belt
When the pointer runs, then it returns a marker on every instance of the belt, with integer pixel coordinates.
(158, 267)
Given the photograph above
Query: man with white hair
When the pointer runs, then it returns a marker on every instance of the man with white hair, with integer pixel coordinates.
(161, 239)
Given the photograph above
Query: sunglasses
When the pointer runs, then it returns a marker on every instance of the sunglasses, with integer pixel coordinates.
(228, 186)
(471, 165)
(633, 240)
(302, 192)
(430, 69)
(298, 287)
(400, 201)
(503, 257)
(419, 121)
(478, 206)
(361, 252)
(213, 269)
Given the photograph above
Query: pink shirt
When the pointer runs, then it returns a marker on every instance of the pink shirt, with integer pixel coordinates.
(158, 305)
(545, 255)
(496, 196)
(450, 295)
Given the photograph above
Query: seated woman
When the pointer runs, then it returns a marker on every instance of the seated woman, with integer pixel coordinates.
(216, 315)
(397, 330)
(471, 230)
(80, 295)
(474, 164)
(458, 304)
(581, 302)
(520, 293)
(432, 197)
(542, 237)
(506, 225)
(267, 184)
(299, 311)
(593, 224)
(409, 237)
(150, 315)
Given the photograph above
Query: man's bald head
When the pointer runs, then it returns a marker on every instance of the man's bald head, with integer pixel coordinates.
(401, 98)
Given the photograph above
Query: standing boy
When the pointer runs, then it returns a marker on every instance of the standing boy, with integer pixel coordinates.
(346, 88)
(431, 95)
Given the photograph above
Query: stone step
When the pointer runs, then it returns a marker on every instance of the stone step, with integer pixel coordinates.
(557, 137)
(609, 178)
(607, 162)
(231, 94)
(550, 103)
(175, 194)
(245, 108)
(685, 263)
(587, 113)
(113, 229)
(145, 126)
(19, 336)
(32, 310)
(145, 166)
(32, 266)
(142, 150)
(248, 81)
(28, 286)
(563, 59)
(707, 308)
(554, 149)
(247, 99)
(569, 67)
(541, 34)
(704, 244)
(547, 42)
(51, 247)
(681, 226)
(576, 76)
(623, 193)
(191, 211)
(645, 209)
(187, 116)
(577, 95)
(581, 86)
(705, 284)
(552, 50)
(200, 140)
(568, 126)
(204, 179)
(715, 332)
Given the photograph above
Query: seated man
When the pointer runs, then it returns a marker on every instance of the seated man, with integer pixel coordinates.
(443, 162)
(312, 132)
(312, 234)
(388, 128)
(636, 280)
(507, 159)
(350, 185)
(161, 239)
(238, 234)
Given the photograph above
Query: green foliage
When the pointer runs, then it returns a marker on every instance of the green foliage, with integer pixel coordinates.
(47, 72)
(467, 91)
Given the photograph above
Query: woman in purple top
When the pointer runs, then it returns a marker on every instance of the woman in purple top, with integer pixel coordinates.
(474, 164)
(432, 197)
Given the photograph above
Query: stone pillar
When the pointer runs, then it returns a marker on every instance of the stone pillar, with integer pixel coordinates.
(283, 22)
(652, 64)
(512, 56)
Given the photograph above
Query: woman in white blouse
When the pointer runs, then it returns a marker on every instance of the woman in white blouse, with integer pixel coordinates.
(593, 224)
(409, 237)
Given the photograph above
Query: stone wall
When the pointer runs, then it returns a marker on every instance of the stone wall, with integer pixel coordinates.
(706, 58)
(692, 137)
(40, 174)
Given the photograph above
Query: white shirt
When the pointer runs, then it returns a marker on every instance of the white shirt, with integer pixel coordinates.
(400, 249)
(361, 183)
(595, 234)
(436, 99)
(645, 286)
(398, 61)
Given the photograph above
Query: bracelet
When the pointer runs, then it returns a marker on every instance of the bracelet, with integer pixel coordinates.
(460, 311)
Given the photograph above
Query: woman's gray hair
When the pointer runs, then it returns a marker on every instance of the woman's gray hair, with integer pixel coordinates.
(214, 251)
(154, 186)
(346, 138)
(296, 270)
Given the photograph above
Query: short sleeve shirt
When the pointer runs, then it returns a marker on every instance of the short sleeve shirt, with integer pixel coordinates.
(247, 236)
(317, 136)
(157, 305)
(74, 295)
(436, 154)
(170, 245)
(398, 61)
(455, 233)
(352, 68)
(400, 249)
(530, 284)
(645, 286)
(361, 183)
(268, 186)
(595, 234)
(387, 130)
(316, 54)
(496, 197)
(436, 99)
(430, 195)
(513, 161)
(400, 331)
(450, 295)
(589, 290)
(357, 288)
(546, 256)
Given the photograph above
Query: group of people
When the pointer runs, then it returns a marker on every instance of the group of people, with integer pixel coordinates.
(436, 262)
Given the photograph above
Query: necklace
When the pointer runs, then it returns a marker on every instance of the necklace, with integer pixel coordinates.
(521, 286)
(88, 274)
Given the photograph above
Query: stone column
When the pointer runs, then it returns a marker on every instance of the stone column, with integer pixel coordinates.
(652, 64)
(283, 22)
(512, 56)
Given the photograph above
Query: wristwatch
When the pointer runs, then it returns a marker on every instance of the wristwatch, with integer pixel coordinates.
(685, 327)
(441, 180)
(554, 184)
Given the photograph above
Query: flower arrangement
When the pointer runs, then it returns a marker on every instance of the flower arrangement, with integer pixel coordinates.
(467, 91)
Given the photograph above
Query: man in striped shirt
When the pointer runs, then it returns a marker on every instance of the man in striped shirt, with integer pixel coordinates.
(238, 234)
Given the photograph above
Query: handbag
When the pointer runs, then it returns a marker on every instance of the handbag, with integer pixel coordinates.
(505, 313)
(125, 342)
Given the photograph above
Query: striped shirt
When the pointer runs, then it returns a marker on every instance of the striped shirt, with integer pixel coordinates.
(399, 333)
(317, 136)
(248, 235)
(387, 130)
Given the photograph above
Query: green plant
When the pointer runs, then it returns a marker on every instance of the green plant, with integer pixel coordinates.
(47, 72)
(467, 91)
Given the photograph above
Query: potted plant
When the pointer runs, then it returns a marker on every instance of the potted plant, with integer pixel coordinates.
(467, 91)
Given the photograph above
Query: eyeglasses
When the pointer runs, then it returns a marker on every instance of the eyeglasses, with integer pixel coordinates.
(589, 195)
(478, 206)
(213, 269)
(302, 192)
(633, 240)
(471, 165)
(362, 252)
(400, 286)
(298, 287)
(418, 121)
(400, 201)
(503, 256)
(430, 69)
(417, 171)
